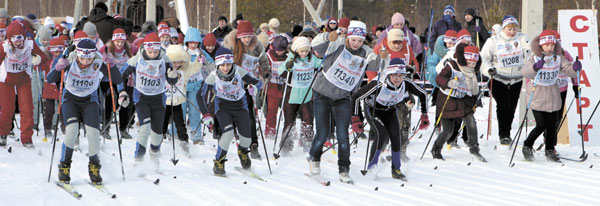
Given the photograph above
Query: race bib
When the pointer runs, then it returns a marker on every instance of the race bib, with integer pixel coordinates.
(171, 91)
(462, 90)
(83, 82)
(563, 80)
(510, 54)
(150, 76)
(346, 71)
(302, 75)
(250, 64)
(18, 60)
(548, 75)
(388, 98)
(230, 90)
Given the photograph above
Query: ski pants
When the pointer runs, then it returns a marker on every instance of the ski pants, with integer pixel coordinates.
(507, 99)
(274, 96)
(545, 122)
(448, 128)
(386, 127)
(227, 118)
(151, 114)
(71, 111)
(22, 82)
(176, 113)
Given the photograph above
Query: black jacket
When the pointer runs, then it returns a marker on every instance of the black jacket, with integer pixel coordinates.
(483, 34)
(105, 25)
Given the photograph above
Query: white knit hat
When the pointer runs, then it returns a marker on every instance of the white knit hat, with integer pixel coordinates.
(48, 22)
(300, 42)
(357, 29)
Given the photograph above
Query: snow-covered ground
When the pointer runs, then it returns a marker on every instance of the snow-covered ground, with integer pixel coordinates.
(460, 180)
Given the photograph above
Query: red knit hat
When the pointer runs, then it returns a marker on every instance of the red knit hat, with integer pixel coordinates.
(462, 35)
(2, 25)
(64, 39)
(151, 41)
(450, 36)
(180, 38)
(15, 29)
(164, 31)
(80, 35)
(471, 53)
(547, 37)
(244, 29)
(57, 44)
(209, 40)
(344, 22)
(119, 34)
(162, 24)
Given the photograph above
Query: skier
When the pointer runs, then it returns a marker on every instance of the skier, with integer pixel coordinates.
(180, 60)
(17, 55)
(80, 98)
(385, 120)
(442, 44)
(50, 93)
(448, 22)
(248, 54)
(151, 70)
(459, 92)
(503, 57)
(344, 66)
(277, 57)
(115, 53)
(543, 67)
(302, 65)
(231, 108)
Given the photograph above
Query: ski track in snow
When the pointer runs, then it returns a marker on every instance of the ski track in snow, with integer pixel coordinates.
(24, 173)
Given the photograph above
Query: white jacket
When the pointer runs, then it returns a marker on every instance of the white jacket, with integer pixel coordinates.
(506, 75)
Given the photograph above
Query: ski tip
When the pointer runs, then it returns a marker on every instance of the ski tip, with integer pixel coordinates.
(328, 183)
(512, 165)
(113, 196)
(10, 149)
(469, 164)
(364, 172)
(156, 181)
(276, 156)
(592, 165)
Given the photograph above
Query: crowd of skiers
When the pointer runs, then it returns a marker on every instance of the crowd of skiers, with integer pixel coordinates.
(332, 78)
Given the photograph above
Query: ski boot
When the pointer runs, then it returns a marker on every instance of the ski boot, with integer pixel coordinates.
(199, 142)
(453, 144)
(244, 160)
(64, 172)
(155, 156)
(219, 167)
(551, 156)
(403, 156)
(94, 171)
(505, 140)
(28, 145)
(254, 154)
(185, 147)
(3, 140)
(397, 174)
(125, 135)
(106, 135)
(140, 152)
(345, 176)
(528, 153)
(315, 168)
(474, 150)
(437, 153)
(47, 135)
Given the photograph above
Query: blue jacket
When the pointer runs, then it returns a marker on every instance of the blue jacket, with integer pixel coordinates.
(192, 35)
(433, 60)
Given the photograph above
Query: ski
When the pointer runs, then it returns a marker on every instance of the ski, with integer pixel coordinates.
(249, 173)
(582, 159)
(223, 176)
(150, 179)
(70, 189)
(479, 157)
(103, 189)
(318, 179)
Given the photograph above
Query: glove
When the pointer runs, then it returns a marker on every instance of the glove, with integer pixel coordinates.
(575, 91)
(540, 64)
(266, 75)
(410, 69)
(577, 65)
(492, 71)
(208, 120)
(61, 64)
(357, 125)
(452, 84)
(172, 74)
(424, 121)
(333, 36)
(35, 60)
(252, 90)
(289, 65)
(478, 29)
(123, 99)
(409, 104)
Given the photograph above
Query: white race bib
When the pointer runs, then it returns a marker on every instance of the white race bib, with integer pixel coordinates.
(83, 82)
(387, 97)
(548, 75)
(302, 74)
(179, 85)
(563, 80)
(275, 78)
(18, 60)
(230, 90)
(462, 90)
(346, 71)
(510, 54)
(250, 64)
(150, 76)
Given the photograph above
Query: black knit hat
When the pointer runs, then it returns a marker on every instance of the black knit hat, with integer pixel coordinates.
(222, 18)
(101, 5)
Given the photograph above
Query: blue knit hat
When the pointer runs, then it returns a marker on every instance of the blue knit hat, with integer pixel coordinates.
(509, 19)
(449, 8)
(86, 48)
(223, 56)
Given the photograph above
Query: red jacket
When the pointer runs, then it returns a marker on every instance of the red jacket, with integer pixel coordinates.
(50, 90)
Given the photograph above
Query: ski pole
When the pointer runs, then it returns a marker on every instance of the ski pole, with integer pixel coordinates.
(489, 120)
(173, 160)
(62, 75)
(115, 119)
(437, 122)
(262, 138)
(581, 113)
(518, 135)
(281, 109)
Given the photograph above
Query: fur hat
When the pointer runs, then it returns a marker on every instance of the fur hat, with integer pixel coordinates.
(148, 27)
(177, 53)
(244, 29)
